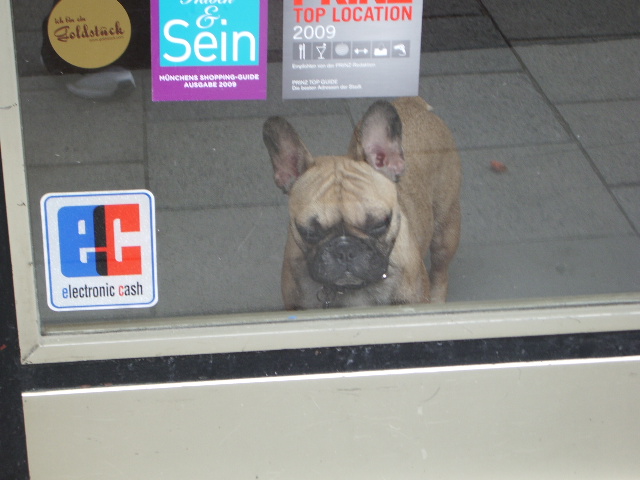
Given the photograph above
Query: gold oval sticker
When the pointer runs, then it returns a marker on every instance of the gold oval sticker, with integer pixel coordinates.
(89, 33)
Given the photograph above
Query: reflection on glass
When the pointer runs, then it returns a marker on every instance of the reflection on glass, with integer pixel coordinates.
(558, 217)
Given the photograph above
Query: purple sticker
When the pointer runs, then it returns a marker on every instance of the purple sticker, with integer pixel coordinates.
(213, 50)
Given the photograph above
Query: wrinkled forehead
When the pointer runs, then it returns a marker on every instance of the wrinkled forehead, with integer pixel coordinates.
(342, 189)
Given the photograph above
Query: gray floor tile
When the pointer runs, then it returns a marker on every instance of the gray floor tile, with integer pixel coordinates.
(586, 71)
(546, 269)
(525, 19)
(548, 192)
(610, 132)
(325, 135)
(28, 44)
(224, 162)
(30, 15)
(459, 33)
(486, 60)
(441, 8)
(492, 110)
(275, 25)
(60, 128)
(604, 123)
(40, 82)
(629, 198)
(618, 164)
(79, 178)
(58, 83)
(28, 18)
(209, 164)
(220, 260)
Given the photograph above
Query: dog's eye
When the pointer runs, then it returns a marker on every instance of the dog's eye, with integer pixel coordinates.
(377, 228)
(311, 234)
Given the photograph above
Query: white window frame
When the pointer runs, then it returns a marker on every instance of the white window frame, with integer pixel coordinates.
(259, 331)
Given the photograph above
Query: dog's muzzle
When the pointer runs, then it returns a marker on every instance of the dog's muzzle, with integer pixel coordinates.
(348, 262)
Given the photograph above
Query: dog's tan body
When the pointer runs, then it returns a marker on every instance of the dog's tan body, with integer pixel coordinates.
(344, 211)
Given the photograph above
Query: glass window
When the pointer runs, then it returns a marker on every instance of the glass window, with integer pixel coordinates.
(543, 110)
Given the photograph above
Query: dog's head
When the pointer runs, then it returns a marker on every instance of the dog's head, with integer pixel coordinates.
(344, 212)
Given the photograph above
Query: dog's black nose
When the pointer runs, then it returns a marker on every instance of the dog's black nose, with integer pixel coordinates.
(345, 250)
(347, 262)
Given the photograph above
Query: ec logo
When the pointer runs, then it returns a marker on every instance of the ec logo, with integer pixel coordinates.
(100, 250)
(92, 240)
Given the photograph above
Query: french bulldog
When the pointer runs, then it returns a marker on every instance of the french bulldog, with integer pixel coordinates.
(361, 225)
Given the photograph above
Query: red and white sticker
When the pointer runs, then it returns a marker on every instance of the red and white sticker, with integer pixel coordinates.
(100, 250)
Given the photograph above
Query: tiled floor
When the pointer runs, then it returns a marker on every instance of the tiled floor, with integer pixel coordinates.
(551, 89)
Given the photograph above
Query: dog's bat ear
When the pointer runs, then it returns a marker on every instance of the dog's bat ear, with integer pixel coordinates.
(289, 157)
(379, 139)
